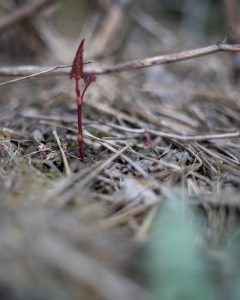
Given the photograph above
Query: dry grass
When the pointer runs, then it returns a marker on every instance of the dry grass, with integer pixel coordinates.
(132, 122)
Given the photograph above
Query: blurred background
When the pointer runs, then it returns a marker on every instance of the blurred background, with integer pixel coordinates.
(112, 29)
(160, 221)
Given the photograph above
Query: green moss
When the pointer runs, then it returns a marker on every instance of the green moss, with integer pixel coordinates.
(28, 185)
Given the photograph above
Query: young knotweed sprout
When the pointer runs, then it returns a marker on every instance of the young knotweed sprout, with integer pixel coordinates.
(78, 74)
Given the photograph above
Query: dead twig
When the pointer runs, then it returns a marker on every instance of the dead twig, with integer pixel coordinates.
(35, 71)
(176, 137)
(183, 138)
(31, 73)
(64, 158)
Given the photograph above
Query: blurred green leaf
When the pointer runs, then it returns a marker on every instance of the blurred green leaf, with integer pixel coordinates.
(176, 267)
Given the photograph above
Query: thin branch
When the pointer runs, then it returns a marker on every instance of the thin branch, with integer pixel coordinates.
(30, 9)
(35, 71)
(64, 158)
(183, 138)
(196, 138)
(167, 59)
(28, 72)
(37, 74)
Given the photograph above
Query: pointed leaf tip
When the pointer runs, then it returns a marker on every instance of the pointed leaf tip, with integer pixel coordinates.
(77, 66)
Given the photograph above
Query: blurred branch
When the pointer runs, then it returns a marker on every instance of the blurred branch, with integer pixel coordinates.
(67, 168)
(111, 22)
(231, 13)
(232, 18)
(18, 15)
(35, 71)
(186, 138)
(166, 59)
(152, 26)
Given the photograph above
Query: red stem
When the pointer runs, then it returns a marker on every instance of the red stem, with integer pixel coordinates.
(79, 112)
(80, 135)
(78, 90)
(84, 90)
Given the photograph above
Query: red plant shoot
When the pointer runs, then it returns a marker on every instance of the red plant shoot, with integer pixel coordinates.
(147, 143)
(77, 73)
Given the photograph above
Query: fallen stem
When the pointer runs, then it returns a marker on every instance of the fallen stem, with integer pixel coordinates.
(183, 138)
(80, 134)
(65, 161)
(129, 65)
(28, 72)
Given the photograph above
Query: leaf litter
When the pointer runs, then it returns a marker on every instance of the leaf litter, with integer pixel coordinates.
(128, 168)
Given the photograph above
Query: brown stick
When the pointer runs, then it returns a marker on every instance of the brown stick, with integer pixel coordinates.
(183, 138)
(28, 10)
(35, 71)
(167, 59)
